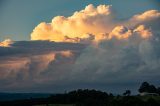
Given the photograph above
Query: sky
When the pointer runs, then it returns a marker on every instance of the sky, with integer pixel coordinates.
(55, 45)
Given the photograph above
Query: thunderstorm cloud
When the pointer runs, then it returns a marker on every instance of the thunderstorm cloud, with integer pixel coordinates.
(92, 47)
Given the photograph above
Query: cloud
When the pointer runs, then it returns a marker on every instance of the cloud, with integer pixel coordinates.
(149, 18)
(28, 63)
(143, 31)
(90, 21)
(91, 47)
(6, 43)
(93, 24)
(119, 61)
(23, 71)
(120, 32)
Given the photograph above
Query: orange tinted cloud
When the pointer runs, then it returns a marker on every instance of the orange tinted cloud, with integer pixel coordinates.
(120, 32)
(66, 53)
(6, 43)
(33, 65)
(148, 15)
(36, 64)
(90, 21)
(143, 31)
(94, 24)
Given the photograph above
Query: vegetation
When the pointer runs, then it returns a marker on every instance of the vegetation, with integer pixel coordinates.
(146, 87)
(93, 97)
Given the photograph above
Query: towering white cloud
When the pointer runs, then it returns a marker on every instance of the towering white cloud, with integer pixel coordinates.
(94, 24)
(91, 20)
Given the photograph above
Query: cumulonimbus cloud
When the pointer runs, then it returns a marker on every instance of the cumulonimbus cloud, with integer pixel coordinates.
(92, 24)
(92, 42)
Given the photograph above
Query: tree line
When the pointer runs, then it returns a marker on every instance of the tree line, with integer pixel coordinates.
(86, 97)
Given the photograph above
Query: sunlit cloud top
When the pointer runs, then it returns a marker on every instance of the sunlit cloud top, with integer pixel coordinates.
(94, 24)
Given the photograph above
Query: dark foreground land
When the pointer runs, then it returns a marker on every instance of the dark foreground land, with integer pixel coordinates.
(87, 98)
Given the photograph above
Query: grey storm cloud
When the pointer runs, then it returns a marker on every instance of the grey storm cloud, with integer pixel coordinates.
(27, 63)
(109, 62)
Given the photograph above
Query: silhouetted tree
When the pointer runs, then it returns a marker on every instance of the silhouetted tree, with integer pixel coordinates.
(146, 87)
(152, 89)
(158, 90)
(127, 93)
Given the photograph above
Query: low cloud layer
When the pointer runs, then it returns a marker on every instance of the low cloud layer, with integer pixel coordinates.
(91, 48)
(26, 64)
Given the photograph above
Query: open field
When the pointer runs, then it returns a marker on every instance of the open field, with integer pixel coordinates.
(146, 98)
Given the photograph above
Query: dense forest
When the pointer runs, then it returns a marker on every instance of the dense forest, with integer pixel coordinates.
(86, 97)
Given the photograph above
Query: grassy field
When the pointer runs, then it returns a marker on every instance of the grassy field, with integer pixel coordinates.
(145, 98)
